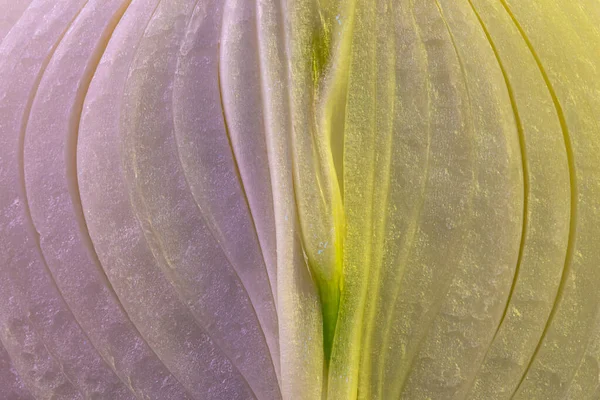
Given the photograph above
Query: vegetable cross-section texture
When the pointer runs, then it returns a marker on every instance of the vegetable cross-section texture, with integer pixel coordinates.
(300, 199)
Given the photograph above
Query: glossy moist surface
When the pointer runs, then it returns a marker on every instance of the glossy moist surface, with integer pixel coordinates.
(299, 199)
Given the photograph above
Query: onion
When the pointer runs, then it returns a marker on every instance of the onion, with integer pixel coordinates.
(299, 199)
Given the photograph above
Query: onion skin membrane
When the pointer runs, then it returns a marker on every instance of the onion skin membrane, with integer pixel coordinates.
(299, 199)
